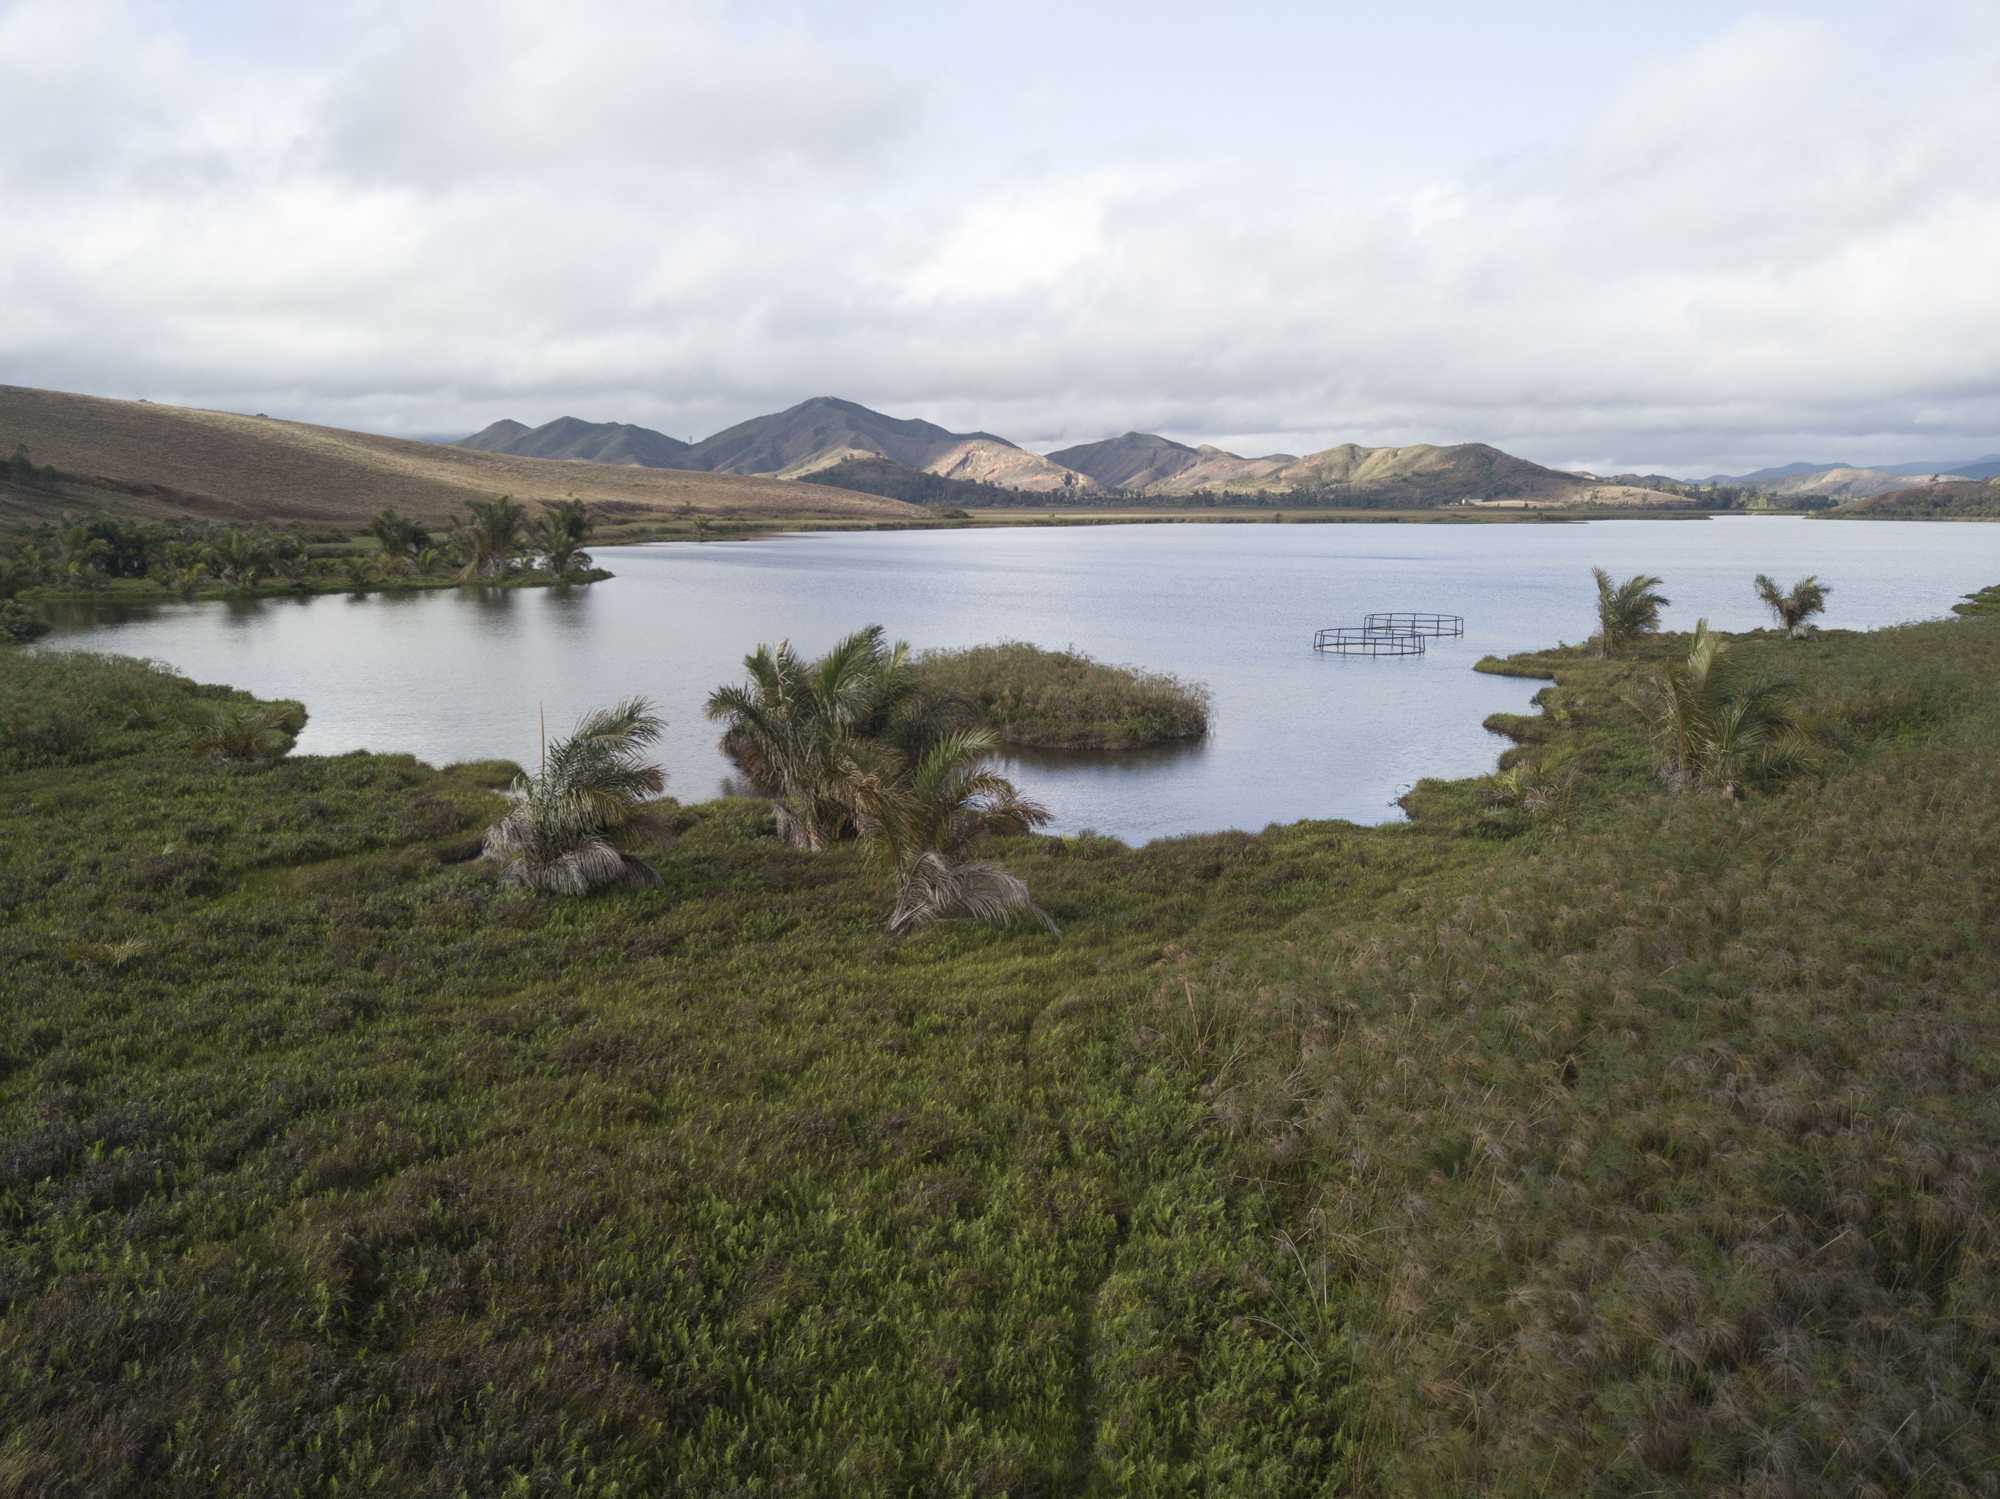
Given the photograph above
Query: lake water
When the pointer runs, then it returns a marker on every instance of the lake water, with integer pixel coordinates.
(1295, 734)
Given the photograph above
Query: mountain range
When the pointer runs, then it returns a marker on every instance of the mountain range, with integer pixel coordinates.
(843, 444)
(813, 435)
(1853, 481)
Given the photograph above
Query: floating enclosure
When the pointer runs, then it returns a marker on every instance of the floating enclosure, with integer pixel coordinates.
(1416, 624)
(1362, 640)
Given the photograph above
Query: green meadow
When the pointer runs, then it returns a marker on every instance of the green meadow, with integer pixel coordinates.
(1580, 1136)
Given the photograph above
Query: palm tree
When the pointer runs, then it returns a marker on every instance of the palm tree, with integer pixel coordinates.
(562, 533)
(928, 819)
(794, 726)
(240, 556)
(398, 535)
(578, 823)
(1626, 612)
(1716, 729)
(78, 552)
(247, 731)
(787, 726)
(1807, 598)
(489, 536)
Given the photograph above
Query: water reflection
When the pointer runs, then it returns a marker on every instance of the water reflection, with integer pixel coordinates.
(1150, 757)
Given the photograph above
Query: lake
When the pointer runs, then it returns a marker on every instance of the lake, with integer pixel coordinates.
(467, 674)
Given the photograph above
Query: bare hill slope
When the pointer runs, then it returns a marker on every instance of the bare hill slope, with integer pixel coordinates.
(139, 458)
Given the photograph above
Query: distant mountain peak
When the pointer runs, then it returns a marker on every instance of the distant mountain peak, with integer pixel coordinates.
(573, 439)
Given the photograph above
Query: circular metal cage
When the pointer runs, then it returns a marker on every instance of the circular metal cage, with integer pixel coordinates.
(1402, 623)
(1361, 640)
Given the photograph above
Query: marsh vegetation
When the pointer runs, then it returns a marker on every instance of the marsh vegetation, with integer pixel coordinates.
(1608, 1141)
(1033, 698)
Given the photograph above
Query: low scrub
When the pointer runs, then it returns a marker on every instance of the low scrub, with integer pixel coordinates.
(1033, 698)
(1577, 1137)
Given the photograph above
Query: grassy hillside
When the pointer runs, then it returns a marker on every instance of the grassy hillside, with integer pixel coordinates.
(135, 458)
(1608, 1142)
(1974, 499)
(587, 442)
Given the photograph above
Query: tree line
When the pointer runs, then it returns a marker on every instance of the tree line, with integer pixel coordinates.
(494, 539)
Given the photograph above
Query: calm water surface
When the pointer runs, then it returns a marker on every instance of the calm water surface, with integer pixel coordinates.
(465, 674)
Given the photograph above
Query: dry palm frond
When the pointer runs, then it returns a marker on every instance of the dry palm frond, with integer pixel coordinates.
(932, 888)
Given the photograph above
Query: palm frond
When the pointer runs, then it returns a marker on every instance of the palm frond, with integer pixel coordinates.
(934, 889)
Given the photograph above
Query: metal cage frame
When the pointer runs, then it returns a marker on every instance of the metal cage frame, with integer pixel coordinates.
(1359, 640)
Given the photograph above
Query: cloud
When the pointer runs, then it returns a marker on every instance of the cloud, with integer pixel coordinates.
(1758, 247)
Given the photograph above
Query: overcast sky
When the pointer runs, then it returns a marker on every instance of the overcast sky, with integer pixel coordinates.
(1689, 238)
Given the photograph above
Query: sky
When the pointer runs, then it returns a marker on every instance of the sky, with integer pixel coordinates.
(1686, 239)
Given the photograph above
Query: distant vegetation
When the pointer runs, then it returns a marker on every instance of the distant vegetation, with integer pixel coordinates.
(1043, 699)
(1580, 1137)
(1966, 499)
(494, 541)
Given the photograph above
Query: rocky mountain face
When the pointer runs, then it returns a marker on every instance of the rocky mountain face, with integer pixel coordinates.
(580, 441)
(1137, 460)
(822, 432)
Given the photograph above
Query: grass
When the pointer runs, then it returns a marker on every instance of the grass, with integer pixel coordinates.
(1036, 698)
(1647, 1149)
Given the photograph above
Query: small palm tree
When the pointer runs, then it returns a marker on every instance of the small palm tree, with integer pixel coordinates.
(582, 821)
(489, 536)
(247, 731)
(561, 535)
(1715, 729)
(929, 819)
(1626, 612)
(1807, 598)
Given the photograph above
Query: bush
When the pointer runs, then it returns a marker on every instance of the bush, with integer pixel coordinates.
(1035, 698)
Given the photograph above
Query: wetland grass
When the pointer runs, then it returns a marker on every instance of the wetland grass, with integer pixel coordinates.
(1642, 1148)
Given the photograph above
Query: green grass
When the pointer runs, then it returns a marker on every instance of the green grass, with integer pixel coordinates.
(1039, 698)
(1650, 1151)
